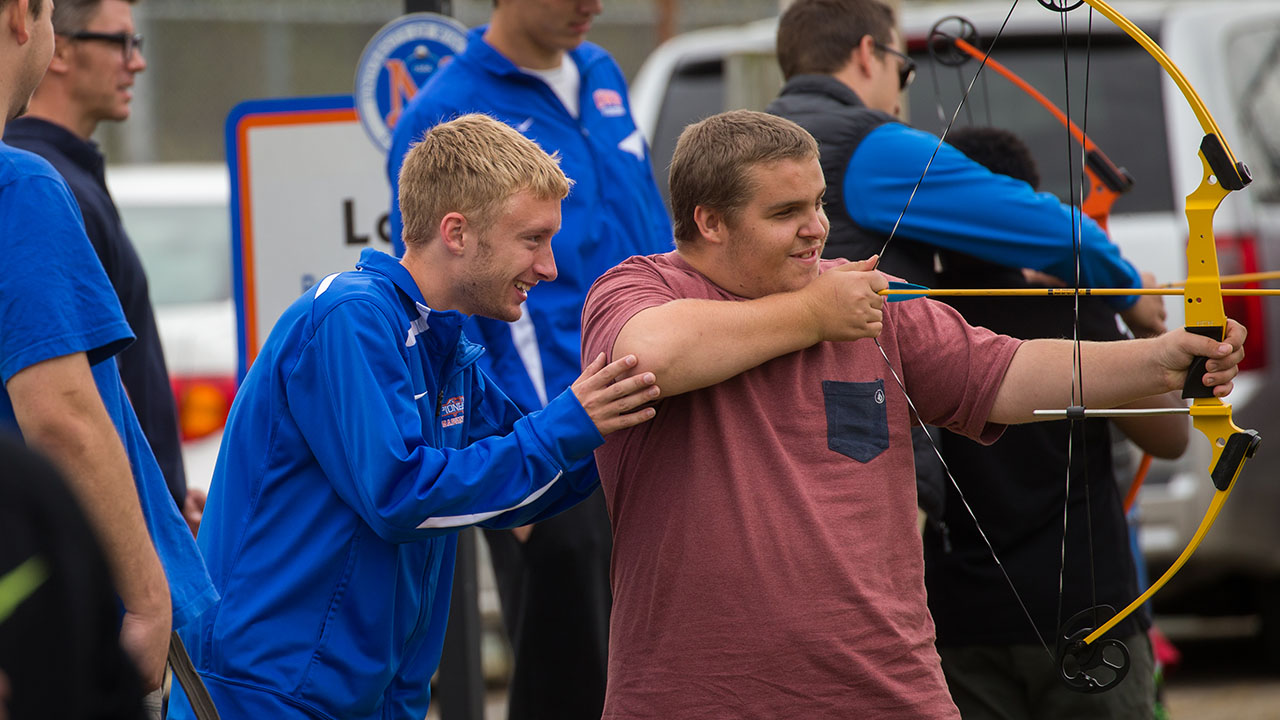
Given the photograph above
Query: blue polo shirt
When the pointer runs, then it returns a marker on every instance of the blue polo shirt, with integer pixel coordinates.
(55, 300)
(142, 366)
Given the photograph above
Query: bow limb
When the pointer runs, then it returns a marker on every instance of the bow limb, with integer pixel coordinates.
(1136, 485)
(1217, 427)
(1106, 181)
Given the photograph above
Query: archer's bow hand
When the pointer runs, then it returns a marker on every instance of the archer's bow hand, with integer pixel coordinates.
(843, 301)
(1179, 348)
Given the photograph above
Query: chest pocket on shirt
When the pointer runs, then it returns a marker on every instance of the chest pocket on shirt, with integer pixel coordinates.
(857, 423)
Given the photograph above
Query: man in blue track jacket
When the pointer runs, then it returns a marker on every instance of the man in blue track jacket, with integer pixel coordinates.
(531, 68)
(364, 437)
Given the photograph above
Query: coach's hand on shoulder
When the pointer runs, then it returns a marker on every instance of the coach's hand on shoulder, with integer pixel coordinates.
(844, 303)
(613, 405)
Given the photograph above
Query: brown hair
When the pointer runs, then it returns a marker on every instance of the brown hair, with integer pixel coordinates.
(713, 159)
(816, 36)
(472, 165)
(75, 15)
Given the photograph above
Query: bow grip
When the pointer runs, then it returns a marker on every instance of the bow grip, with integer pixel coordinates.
(1193, 386)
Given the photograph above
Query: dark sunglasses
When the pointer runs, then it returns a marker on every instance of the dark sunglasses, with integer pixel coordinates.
(128, 43)
(907, 72)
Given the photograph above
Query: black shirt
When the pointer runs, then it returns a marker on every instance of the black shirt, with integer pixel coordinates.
(142, 366)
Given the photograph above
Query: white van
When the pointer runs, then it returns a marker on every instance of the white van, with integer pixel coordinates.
(177, 217)
(1230, 52)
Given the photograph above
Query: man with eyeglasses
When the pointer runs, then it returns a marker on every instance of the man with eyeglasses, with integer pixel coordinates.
(97, 54)
(845, 73)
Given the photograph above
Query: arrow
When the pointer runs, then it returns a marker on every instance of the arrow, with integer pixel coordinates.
(899, 291)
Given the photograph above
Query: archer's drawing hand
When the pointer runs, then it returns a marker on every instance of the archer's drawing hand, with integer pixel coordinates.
(844, 303)
(1146, 317)
(612, 405)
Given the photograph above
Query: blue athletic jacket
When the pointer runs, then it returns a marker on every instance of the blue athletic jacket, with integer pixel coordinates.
(613, 211)
(362, 439)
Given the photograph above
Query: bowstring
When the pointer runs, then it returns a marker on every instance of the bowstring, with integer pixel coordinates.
(1077, 235)
(1084, 447)
(902, 387)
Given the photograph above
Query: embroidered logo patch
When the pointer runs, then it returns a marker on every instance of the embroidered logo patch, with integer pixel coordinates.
(452, 411)
(609, 102)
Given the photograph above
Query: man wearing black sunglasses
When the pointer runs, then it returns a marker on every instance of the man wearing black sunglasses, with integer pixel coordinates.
(97, 55)
(846, 71)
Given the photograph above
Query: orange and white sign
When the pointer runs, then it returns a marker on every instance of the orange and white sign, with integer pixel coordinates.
(308, 193)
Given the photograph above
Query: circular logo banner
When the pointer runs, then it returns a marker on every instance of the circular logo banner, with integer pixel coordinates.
(397, 62)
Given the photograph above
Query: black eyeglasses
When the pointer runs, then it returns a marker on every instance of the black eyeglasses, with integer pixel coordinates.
(907, 72)
(128, 43)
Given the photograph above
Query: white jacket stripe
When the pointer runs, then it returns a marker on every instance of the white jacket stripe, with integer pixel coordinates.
(473, 518)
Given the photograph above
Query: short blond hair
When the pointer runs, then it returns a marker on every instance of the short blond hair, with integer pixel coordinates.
(472, 165)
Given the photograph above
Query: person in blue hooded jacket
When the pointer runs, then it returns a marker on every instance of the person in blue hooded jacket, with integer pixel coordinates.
(365, 436)
(531, 68)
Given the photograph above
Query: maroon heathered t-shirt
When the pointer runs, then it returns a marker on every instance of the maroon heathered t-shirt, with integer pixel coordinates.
(766, 562)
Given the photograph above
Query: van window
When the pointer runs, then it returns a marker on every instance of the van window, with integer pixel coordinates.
(1255, 91)
(184, 250)
(1125, 108)
(695, 91)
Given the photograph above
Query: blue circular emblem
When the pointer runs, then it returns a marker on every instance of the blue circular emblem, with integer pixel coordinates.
(396, 63)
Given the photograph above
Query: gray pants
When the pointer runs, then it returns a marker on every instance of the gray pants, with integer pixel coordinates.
(1021, 682)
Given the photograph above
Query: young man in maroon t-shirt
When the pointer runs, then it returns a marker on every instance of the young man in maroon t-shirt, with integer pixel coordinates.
(766, 561)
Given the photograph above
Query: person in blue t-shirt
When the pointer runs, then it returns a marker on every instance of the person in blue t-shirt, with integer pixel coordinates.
(531, 68)
(97, 56)
(60, 326)
(365, 436)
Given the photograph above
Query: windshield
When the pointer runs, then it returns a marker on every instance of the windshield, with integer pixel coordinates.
(1255, 84)
(1125, 111)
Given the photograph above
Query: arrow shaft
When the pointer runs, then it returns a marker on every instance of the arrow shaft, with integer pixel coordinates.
(1065, 292)
(1240, 278)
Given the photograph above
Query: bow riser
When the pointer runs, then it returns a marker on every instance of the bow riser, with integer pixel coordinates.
(1203, 289)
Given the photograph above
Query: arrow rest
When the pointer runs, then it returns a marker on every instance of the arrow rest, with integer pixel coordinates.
(942, 44)
(1090, 668)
